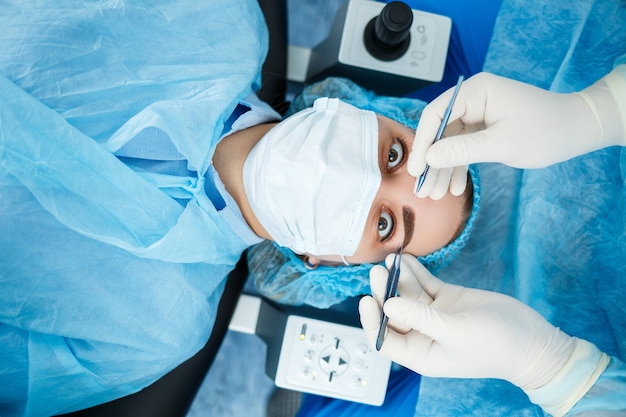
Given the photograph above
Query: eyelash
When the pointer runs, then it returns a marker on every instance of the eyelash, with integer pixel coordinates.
(392, 227)
(399, 161)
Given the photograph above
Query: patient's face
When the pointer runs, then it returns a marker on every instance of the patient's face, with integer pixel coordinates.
(397, 216)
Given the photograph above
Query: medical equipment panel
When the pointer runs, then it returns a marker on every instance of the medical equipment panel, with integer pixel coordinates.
(347, 51)
(315, 356)
(331, 359)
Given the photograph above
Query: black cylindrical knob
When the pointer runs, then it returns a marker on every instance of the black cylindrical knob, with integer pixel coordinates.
(393, 24)
(387, 36)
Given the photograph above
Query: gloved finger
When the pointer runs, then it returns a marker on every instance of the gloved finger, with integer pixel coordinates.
(389, 260)
(418, 316)
(431, 118)
(398, 327)
(378, 282)
(459, 180)
(442, 185)
(413, 350)
(427, 281)
(369, 314)
(379, 276)
(467, 149)
(429, 183)
(408, 285)
(454, 128)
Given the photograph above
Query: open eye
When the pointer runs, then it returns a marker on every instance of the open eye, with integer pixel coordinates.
(385, 225)
(395, 155)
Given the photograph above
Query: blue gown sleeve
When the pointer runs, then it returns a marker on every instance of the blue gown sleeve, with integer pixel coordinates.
(90, 79)
(106, 282)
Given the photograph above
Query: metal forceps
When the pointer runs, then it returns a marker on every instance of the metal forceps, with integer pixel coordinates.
(390, 291)
(442, 127)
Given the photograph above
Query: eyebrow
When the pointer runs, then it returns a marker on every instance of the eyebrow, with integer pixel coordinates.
(408, 217)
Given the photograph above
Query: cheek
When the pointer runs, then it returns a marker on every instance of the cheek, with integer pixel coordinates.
(368, 253)
(325, 260)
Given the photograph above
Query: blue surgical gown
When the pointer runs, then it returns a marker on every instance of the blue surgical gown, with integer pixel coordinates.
(111, 276)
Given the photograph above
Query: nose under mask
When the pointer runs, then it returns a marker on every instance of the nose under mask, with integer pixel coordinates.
(311, 180)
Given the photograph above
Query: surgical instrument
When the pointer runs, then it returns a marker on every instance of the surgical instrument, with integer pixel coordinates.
(390, 291)
(442, 127)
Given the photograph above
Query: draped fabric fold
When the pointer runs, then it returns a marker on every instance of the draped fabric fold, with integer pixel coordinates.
(106, 281)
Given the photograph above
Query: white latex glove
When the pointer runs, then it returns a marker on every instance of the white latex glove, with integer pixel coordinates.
(495, 119)
(409, 288)
(464, 332)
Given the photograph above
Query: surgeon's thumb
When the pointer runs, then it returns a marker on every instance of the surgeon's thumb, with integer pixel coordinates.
(416, 315)
(465, 149)
(369, 314)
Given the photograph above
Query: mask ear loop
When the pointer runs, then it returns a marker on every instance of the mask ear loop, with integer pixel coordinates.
(308, 265)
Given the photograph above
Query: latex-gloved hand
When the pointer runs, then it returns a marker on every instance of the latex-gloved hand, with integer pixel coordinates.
(445, 330)
(495, 119)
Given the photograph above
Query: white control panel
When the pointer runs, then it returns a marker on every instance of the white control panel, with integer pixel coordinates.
(331, 359)
(426, 56)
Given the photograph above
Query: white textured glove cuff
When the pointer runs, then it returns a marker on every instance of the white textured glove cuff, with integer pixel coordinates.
(577, 376)
(607, 100)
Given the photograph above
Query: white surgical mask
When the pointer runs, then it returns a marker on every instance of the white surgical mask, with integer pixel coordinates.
(311, 180)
